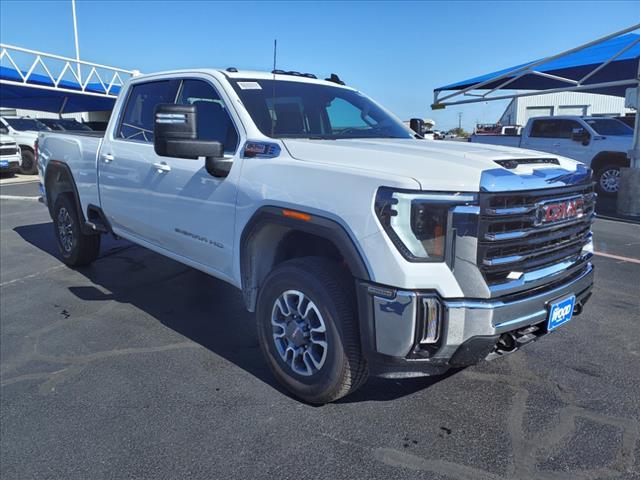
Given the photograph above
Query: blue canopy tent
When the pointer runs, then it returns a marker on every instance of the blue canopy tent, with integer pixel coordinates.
(68, 97)
(64, 92)
(607, 66)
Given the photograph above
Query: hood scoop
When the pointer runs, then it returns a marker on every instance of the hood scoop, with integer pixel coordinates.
(514, 163)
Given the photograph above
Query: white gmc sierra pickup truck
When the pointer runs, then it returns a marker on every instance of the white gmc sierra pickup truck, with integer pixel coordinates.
(601, 143)
(361, 248)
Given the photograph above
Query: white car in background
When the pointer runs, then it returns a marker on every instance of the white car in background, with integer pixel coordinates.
(24, 131)
(10, 159)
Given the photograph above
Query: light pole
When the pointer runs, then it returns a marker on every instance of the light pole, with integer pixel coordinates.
(75, 35)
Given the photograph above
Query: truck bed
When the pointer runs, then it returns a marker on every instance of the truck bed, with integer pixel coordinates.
(79, 150)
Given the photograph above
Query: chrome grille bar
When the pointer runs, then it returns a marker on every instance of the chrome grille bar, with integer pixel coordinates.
(512, 241)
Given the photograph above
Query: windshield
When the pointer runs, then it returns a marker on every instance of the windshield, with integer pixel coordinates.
(308, 110)
(609, 126)
(23, 124)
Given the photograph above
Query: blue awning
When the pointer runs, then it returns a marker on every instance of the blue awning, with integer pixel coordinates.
(573, 66)
(30, 96)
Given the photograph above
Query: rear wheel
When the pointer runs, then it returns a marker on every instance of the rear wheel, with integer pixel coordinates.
(608, 179)
(308, 329)
(76, 248)
(28, 166)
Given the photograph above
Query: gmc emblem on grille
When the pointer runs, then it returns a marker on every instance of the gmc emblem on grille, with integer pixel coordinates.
(552, 211)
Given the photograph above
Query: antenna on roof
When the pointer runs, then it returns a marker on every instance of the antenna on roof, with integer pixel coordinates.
(273, 90)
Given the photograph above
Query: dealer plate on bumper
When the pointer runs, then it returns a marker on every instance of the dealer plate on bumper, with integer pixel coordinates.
(560, 312)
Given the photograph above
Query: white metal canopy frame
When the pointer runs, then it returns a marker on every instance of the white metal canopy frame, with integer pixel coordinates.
(101, 80)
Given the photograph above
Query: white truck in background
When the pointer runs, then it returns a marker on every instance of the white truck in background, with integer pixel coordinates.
(601, 143)
(362, 248)
(24, 131)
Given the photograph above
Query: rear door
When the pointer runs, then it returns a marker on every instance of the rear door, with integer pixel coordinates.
(126, 162)
(196, 210)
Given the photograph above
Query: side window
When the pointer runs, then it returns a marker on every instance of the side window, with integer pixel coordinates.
(545, 129)
(137, 121)
(566, 128)
(3, 129)
(214, 121)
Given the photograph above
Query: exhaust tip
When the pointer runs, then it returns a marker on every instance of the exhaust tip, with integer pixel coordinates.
(507, 343)
(577, 309)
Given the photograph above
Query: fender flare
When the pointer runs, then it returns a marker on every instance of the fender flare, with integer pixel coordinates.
(53, 168)
(271, 216)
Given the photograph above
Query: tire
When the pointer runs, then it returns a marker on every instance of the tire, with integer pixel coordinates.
(318, 375)
(28, 166)
(607, 180)
(76, 248)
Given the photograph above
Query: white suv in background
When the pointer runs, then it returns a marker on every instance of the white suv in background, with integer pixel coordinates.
(24, 130)
(9, 155)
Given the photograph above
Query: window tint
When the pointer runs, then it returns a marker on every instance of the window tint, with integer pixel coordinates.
(554, 128)
(343, 114)
(26, 124)
(293, 109)
(610, 126)
(137, 121)
(214, 122)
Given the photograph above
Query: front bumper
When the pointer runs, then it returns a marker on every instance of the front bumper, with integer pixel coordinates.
(393, 325)
(10, 163)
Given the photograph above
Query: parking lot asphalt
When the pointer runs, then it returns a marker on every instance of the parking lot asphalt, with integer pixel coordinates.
(139, 367)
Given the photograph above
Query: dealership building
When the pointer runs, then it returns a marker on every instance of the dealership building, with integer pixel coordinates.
(521, 109)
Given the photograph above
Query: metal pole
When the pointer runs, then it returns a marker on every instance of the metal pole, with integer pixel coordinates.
(75, 35)
(634, 153)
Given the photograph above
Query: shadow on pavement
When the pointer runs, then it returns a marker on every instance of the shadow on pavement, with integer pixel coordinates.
(208, 311)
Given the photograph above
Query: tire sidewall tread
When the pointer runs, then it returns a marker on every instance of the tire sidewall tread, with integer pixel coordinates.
(333, 292)
(87, 247)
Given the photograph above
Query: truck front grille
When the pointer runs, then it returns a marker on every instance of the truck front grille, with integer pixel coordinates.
(10, 150)
(515, 236)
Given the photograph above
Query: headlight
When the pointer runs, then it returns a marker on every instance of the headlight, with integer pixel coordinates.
(417, 222)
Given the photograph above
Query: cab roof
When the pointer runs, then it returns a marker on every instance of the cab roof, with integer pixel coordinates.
(233, 73)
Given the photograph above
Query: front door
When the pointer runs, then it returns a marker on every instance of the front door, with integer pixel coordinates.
(196, 210)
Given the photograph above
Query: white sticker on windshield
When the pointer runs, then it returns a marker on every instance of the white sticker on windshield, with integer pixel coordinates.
(249, 85)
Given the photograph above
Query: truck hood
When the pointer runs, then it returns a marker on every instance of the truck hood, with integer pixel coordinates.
(435, 165)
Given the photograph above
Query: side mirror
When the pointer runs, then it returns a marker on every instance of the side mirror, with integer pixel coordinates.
(175, 131)
(417, 125)
(580, 135)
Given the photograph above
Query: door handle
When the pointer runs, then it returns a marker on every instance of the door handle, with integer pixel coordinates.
(162, 167)
(107, 158)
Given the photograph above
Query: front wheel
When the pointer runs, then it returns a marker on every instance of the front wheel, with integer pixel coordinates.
(608, 180)
(28, 165)
(308, 329)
